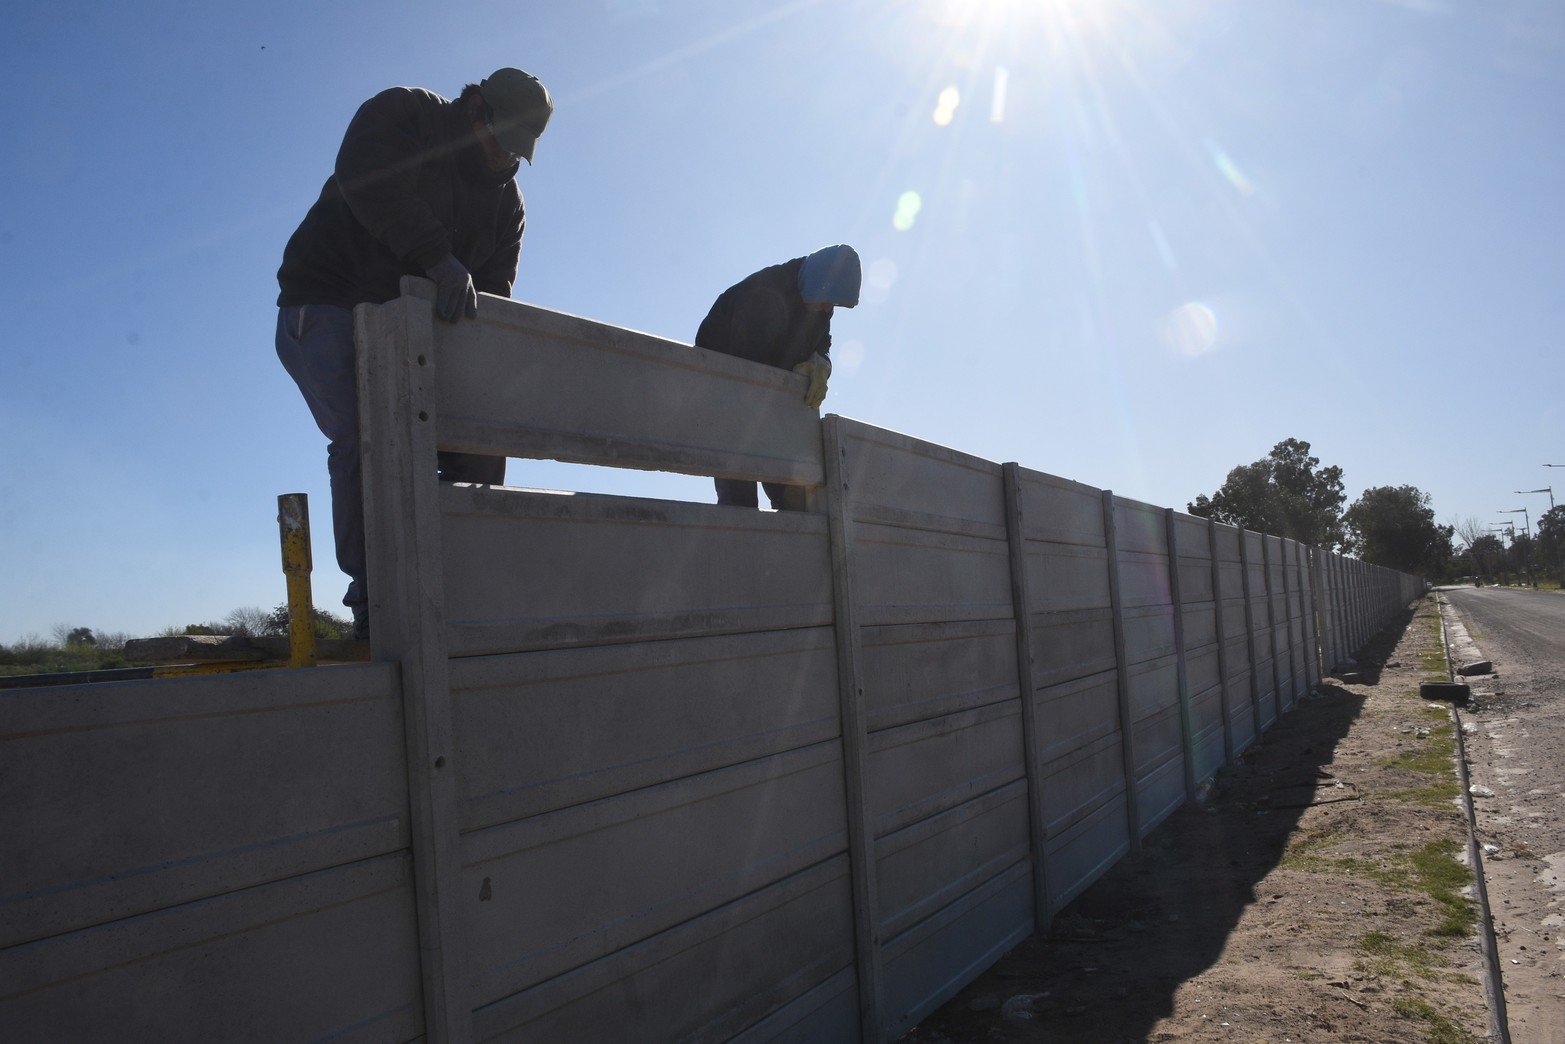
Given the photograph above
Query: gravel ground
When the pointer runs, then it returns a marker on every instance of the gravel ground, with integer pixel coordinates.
(1315, 896)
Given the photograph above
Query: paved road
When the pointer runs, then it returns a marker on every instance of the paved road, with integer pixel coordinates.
(1519, 753)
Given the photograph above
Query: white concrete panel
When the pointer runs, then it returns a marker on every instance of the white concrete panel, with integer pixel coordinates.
(1160, 792)
(918, 770)
(928, 964)
(533, 383)
(1143, 579)
(1076, 713)
(1195, 577)
(917, 576)
(1061, 578)
(920, 671)
(543, 730)
(891, 473)
(328, 954)
(238, 780)
(786, 945)
(1078, 784)
(547, 894)
(934, 862)
(1149, 633)
(1157, 739)
(1154, 687)
(528, 570)
(1200, 620)
(1201, 669)
(1061, 511)
(1140, 528)
(1085, 852)
(1071, 645)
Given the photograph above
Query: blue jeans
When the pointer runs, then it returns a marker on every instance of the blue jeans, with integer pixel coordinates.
(315, 344)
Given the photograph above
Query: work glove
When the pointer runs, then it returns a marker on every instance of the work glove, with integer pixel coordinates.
(455, 295)
(817, 368)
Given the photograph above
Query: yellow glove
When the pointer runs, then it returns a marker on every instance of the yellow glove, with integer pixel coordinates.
(817, 368)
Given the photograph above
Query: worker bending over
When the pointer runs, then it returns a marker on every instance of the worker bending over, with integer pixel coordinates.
(781, 316)
(422, 186)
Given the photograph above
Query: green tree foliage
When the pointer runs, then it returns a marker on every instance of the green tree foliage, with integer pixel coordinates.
(327, 625)
(1393, 526)
(1488, 554)
(1286, 493)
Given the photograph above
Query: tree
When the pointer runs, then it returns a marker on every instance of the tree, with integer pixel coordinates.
(1286, 493)
(1489, 553)
(1551, 540)
(327, 624)
(1393, 526)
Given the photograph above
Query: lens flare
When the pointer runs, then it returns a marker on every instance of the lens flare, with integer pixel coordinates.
(1002, 80)
(848, 355)
(945, 106)
(1230, 170)
(1191, 329)
(908, 206)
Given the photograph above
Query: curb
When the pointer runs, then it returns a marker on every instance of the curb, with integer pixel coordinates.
(1493, 983)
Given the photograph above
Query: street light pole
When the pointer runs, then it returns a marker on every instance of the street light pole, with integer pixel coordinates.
(1526, 551)
(1509, 529)
(1559, 562)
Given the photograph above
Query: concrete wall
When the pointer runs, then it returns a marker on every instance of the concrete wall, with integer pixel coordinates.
(642, 769)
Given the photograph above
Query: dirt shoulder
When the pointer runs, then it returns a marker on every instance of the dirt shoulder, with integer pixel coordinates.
(1317, 895)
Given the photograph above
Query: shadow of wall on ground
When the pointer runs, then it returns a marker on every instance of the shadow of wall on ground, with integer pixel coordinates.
(1113, 959)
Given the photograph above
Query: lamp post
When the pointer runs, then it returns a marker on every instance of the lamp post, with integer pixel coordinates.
(1509, 529)
(1559, 565)
(1527, 551)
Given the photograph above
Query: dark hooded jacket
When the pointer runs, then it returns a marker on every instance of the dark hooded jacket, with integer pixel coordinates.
(410, 187)
(762, 318)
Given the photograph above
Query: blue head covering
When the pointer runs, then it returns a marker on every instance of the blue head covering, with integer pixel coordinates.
(831, 275)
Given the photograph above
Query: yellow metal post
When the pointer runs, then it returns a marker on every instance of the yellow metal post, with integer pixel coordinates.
(293, 523)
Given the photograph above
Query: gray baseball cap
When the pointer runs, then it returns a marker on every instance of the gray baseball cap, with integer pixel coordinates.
(521, 107)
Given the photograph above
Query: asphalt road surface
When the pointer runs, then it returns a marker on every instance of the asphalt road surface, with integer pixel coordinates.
(1518, 752)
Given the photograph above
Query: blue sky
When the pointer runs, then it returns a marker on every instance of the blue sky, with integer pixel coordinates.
(1153, 238)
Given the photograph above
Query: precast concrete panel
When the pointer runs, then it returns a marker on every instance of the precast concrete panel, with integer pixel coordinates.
(1072, 645)
(1067, 577)
(554, 892)
(1202, 669)
(918, 671)
(1080, 784)
(906, 575)
(924, 768)
(1143, 579)
(1149, 633)
(1154, 688)
(1076, 713)
(327, 954)
(528, 570)
(930, 962)
(1059, 511)
(523, 381)
(1200, 626)
(783, 953)
(1195, 575)
(1084, 852)
(934, 862)
(239, 780)
(898, 480)
(1140, 529)
(541, 731)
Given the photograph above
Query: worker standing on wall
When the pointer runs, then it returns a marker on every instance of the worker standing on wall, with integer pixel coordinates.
(422, 186)
(781, 316)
